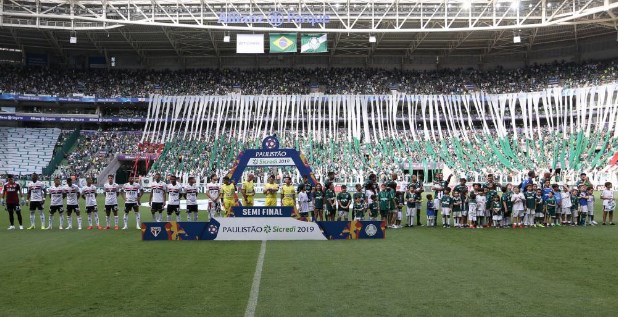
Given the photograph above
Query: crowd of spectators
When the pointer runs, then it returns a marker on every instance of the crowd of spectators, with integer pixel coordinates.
(140, 83)
(95, 149)
(353, 161)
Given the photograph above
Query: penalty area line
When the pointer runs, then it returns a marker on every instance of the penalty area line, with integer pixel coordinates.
(255, 287)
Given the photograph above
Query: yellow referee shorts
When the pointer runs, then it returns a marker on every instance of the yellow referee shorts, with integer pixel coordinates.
(227, 206)
(270, 202)
(248, 201)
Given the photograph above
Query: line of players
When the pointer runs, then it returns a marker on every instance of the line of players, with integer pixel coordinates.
(482, 205)
(70, 193)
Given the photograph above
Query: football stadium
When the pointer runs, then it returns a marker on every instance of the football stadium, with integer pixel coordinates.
(308, 157)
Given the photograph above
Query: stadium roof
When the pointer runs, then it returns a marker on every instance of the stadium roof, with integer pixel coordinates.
(177, 28)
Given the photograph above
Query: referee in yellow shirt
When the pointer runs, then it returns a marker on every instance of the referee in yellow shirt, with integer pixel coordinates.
(270, 192)
(288, 193)
(229, 191)
(248, 190)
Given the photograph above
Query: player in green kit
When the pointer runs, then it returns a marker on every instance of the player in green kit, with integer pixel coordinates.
(344, 199)
(550, 210)
(318, 203)
(384, 197)
(507, 205)
(461, 187)
(457, 208)
(330, 202)
(374, 208)
(530, 197)
(360, 194)
(446, 203)
(492, 192)
(359, 209)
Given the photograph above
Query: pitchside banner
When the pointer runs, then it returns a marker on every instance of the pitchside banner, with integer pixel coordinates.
(276, 228)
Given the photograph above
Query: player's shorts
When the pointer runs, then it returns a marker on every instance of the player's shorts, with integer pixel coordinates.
(558, 211)
(530, 211)
(457, 214)
(608, 208)
(480, 210)
(156, 207)
(574, 211)
(411, 211)
(213, 206)
(436, 203)
(472, 208)
(472, 214)
(464, 213)
(54, 209)
(517, 213)
(383, 213)
(539, 215)
(343, 212)
(373, 214)
(497, 217)
(330, 211)
(110, 208)
(270, 202)
(399, 215)
(566, 210)
(90, 209)
(304, 214)
(287, 202)
(129, 206)
(583, 209)
(72, 208)
(191, 208)
(227, 206)
(446, 211)
(13, 207)
(173, 209)
(36, 205)
(248, 200)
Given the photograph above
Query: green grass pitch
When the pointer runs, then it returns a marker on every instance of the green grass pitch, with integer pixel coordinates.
(413, 272)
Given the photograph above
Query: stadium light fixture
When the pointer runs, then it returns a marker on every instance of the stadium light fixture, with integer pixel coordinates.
(516, 39)
(467, 4)
(226, 38)
(515, 4)
(372, 39)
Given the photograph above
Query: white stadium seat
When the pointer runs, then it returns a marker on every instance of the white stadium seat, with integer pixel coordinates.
(25, 151)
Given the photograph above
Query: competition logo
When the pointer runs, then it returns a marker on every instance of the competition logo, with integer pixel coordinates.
(212, 229)
(270, 142)
(371, 230)
(155, 231)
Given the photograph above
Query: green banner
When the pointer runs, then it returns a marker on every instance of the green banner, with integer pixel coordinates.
(283, 42)
(313, 43)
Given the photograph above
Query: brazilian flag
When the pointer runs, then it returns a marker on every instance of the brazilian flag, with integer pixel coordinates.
(283, 43)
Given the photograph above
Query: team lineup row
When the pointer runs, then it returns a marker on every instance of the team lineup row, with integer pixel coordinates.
(479, 206)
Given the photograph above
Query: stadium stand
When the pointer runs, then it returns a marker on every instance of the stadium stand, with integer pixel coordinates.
(26, 151)
(140, 83)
